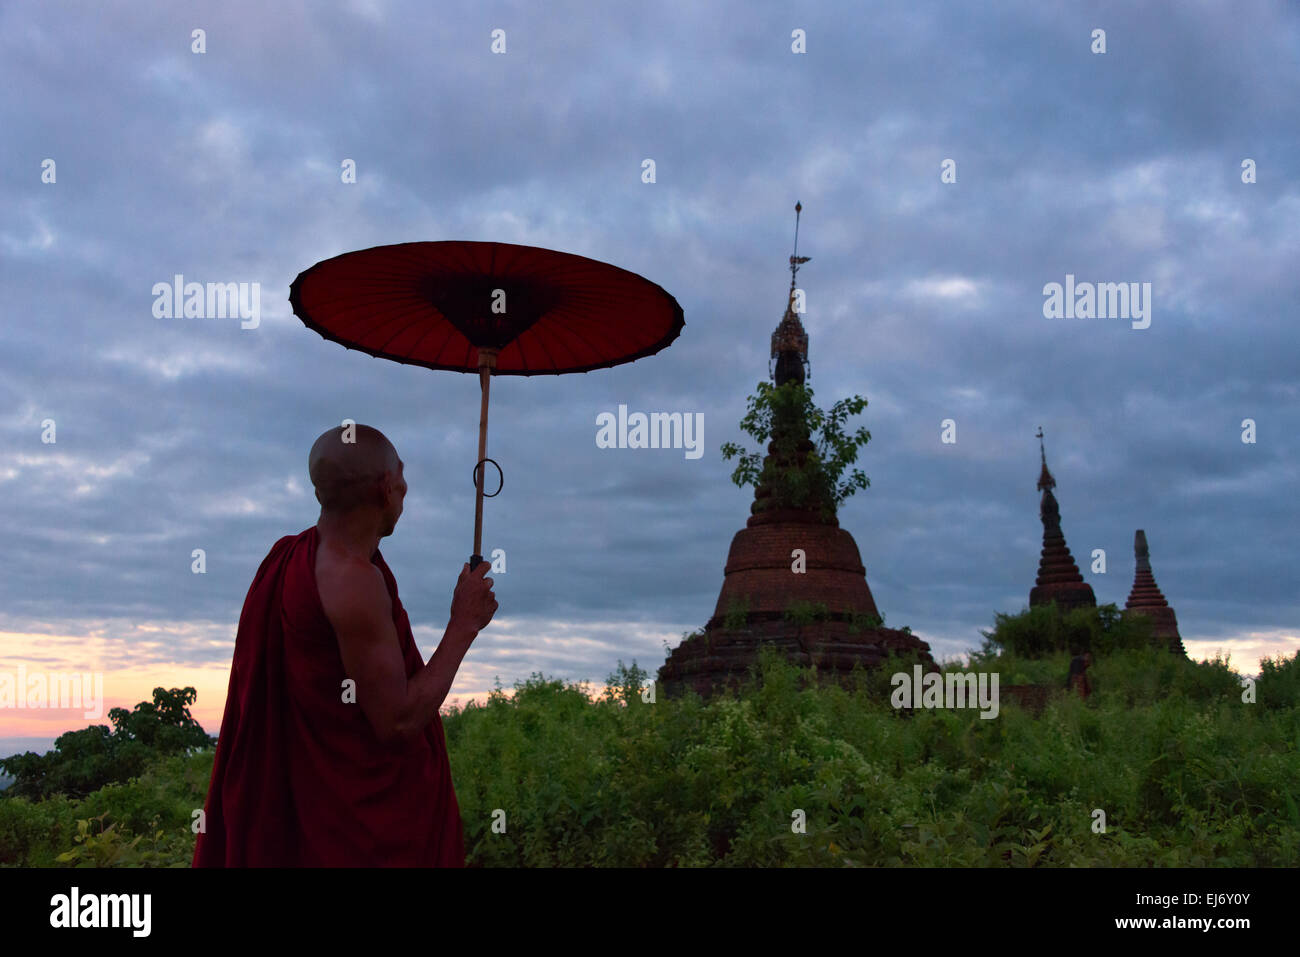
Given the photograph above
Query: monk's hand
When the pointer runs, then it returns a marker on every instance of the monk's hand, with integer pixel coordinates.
(473, 604)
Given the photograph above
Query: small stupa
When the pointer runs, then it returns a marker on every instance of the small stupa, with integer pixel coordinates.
(817, 609)
(1146, 599)
(1058, 576)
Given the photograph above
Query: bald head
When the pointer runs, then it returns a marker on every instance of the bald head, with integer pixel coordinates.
(348, 466)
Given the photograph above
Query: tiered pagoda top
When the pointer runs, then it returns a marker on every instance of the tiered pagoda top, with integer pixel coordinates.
(1146, 599)
(790, 339)
(1058, 576)
(789, 363)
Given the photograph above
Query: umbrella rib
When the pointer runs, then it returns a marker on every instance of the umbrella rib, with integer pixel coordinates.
(395, 317)
(576, 334)
(424, 335)
(607, 336)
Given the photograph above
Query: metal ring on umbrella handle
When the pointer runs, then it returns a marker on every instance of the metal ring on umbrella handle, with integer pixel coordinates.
(502, 477)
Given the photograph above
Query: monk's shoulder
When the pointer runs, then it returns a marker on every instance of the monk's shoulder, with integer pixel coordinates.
(349, 587)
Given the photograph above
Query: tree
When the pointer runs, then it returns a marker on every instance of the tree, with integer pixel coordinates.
(86, 760)
(1045, 630)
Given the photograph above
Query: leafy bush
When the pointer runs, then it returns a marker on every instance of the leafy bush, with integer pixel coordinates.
(1279, 682)
(101, 829)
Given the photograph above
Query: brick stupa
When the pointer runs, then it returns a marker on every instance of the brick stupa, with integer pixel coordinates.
(1146, 599)
(1058, 576)
(820, 615)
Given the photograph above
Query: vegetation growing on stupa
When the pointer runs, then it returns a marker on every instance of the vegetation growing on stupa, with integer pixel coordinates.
(786, 416)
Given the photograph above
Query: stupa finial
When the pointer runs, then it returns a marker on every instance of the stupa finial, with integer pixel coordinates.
(1045, 480)
(789, 339)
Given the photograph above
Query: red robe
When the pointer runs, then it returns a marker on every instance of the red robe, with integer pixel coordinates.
(300, 779)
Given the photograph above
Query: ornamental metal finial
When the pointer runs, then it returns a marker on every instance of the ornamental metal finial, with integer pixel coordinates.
(796, 260)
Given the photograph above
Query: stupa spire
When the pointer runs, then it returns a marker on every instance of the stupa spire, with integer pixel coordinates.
(1058, 576)
(791, 443)
(1147, 599)
(1045, 480)
(790, 339)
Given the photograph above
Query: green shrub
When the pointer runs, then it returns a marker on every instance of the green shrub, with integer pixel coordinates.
(1279, 682)
(860, 621)
(737, 613)
(99, 830)
(802, 612)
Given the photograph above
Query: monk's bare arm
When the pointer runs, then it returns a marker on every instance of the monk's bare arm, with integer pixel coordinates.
(435, 678)
(472, 607)
(357, 604)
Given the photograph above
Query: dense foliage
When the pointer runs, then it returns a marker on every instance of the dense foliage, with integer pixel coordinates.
(1186, 772)
(144, 822)
(1044, 630)
(86, 760)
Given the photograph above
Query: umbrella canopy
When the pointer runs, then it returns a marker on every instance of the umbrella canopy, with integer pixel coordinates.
(432, 305)
(485, 307)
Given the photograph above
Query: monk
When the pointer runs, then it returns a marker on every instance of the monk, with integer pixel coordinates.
(331, 750)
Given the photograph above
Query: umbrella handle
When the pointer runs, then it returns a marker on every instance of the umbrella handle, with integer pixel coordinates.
(475, 560)
(487, 360)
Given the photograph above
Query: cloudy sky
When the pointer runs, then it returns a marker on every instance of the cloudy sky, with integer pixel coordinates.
(924, 296)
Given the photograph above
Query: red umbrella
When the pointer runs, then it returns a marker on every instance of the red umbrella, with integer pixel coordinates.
(486, 307)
